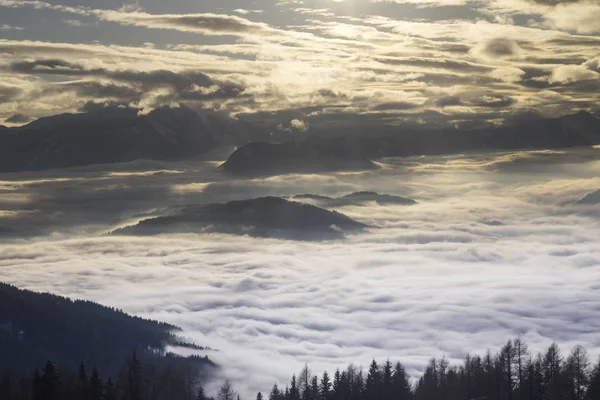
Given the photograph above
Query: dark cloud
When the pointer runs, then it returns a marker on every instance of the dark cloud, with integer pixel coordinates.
(210, 24)
(177, 80)
(565, 60)
(185, 85)
(9, 93)
(98, 90)
(448, 64)
(500, 48)
(448, 101)
(576, 41)
(555, 2)
(395, 106)
(491, 100)
(332, 94)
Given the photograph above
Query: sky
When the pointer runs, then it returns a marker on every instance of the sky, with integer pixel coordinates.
(497, 246)
(317, 61)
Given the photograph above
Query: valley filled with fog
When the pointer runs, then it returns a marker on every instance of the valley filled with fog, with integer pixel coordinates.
(497, 245)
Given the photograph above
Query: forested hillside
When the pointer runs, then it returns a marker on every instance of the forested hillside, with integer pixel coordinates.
(36, 327)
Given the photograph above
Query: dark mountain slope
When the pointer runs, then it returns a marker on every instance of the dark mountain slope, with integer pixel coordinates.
(590, 199)
(312, 155)
(262, 217)
(113, 134)
(36, 327)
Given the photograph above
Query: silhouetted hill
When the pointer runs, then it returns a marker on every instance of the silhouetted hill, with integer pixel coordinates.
(261, 217)
(36, 327)
(113, 134)
(308, 156)
(357, 198)
(591, 198)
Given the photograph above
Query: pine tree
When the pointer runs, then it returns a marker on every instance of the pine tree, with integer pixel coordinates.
(5, 386)
(50, 381)
(325, 387)
(304, 383)
(593, 391)
(133, 389)
(275, 394)
(259, 396)
(294, 392)
(226, 392)
(314, 388)
(506, 358)
(337, 383)
(201, 394)
(82, 373)
(387, 380)
(373, 384)
(521, 354)
(109, 390)
(401, 389)
(96, 386)
(577, 373)
(552, 364)
(38, 391)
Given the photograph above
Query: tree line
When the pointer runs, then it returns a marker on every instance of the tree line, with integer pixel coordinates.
(511, 373)
(162, 379)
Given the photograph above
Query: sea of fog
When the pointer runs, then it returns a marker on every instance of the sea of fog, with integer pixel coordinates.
(495, 248)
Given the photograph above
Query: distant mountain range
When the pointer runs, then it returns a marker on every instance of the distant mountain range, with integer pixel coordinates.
(353, 199)
(113, 134)
(355, 152)
(262, 217)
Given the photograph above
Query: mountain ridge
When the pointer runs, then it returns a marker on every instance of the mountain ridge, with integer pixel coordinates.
(269, 216)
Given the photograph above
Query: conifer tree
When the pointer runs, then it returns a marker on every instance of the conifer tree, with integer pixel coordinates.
(226, 391)
(201, 393)
(325, 387)
(96, 386)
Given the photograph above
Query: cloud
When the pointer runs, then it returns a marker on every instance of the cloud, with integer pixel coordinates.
(142, 88)
(579, 17)
(573, 73)
(6, 28)
(368, 59)
(207, 24)
(449, 275)
(299, 125)
(501, 48)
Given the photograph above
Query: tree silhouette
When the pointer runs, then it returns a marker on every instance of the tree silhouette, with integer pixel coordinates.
(226, 391)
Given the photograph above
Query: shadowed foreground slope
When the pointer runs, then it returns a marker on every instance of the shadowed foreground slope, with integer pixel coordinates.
(36, 327)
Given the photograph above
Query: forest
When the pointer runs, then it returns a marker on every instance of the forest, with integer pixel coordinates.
(511, 373)
(36, 327)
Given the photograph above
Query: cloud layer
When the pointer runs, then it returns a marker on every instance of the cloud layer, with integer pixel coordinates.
(494, 249)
